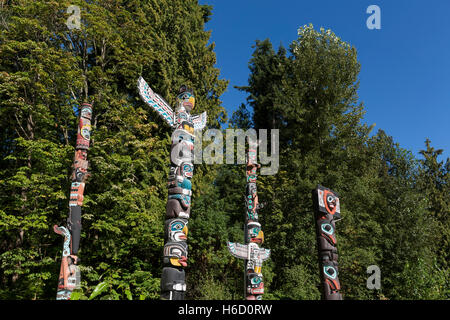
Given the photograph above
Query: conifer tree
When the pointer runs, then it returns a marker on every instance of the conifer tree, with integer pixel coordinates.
(310, 94)
(46, 71)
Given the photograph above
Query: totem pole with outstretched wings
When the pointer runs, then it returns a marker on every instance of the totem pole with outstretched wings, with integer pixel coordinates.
(178, 208)
(250, 252)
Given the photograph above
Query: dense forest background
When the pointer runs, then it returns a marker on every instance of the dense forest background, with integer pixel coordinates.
(395, 206)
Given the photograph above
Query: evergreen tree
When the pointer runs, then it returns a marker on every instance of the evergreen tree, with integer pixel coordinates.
(47, 71)
(434, 185)
(311, 96)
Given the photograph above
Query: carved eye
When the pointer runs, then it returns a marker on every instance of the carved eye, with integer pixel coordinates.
(255, 280)
(330, 198)
(85, 133)
(330, 272)
(177, 226)
(327, 228)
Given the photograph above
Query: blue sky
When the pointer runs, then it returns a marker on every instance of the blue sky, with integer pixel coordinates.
(405, 66)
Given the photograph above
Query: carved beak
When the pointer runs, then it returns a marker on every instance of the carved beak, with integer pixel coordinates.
(190, 103)
(179, 261)
(261, 236)
(183, 261)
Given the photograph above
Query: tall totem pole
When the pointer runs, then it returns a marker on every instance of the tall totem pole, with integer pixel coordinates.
(326, 211)
(69, 275)
(173, 285)
(250, 251)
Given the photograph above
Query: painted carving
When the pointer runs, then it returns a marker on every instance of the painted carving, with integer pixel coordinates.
(326, 212)
(250, 251)
(179, 184)
(69, 277)
(84, 127)
(175, 254)
(176, 230)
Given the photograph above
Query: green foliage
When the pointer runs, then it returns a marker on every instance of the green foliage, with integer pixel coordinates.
(310, 95)
(47, 71)
(212, 289)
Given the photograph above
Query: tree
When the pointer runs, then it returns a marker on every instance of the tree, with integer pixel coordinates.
(434, 185)
(47, 71)
(312, 95)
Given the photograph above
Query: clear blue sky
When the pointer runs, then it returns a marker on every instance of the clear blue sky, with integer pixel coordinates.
(405, 66)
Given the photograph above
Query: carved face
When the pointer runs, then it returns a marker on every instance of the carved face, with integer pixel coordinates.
(181, 116)
(80, 165)
(79, 174)
(185, 169)
(255, 233)
(186, 99)
(86, 112)
(80, 156)
(331, 202)
(176, 253)
(187, 126)
(255, 284)
(86, 131)
(177, 230)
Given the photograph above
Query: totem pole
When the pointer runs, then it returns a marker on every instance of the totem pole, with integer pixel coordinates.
(69, 275)
(326, 212)
(173, 286)
(250, 251)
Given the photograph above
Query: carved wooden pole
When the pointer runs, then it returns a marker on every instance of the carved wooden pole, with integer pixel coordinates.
(326, 212)
(69, 276)
(250, 251)
(173, 285)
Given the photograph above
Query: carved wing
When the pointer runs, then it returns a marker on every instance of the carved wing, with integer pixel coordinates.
(264, 254)
(155, 101)
(199, 121)
(238, 250)
(66, 233)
